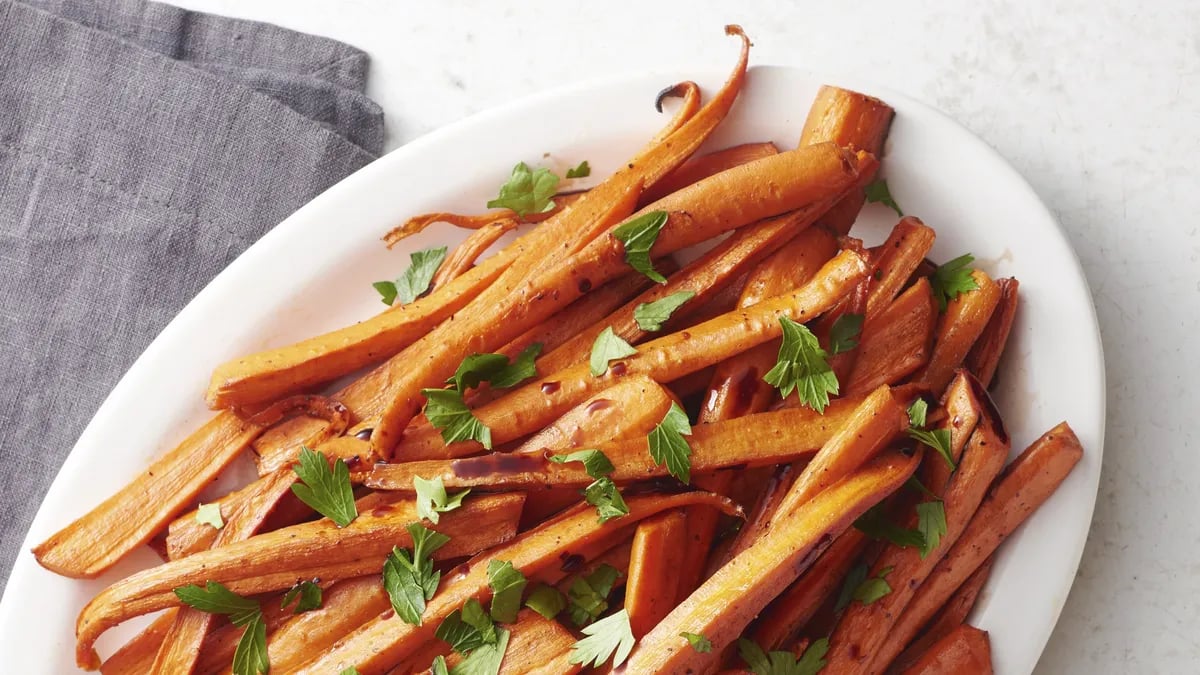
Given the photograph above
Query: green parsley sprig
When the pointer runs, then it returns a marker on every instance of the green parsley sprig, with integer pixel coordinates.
(650, 316)
(415, 281)
(250, 656)
(668, 445)
(608, 638)
(638, 236)
(409, 577)
(952, 279)
(327, 491)
(803, 367)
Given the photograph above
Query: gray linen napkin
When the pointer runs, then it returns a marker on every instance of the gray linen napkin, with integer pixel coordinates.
(142, 148)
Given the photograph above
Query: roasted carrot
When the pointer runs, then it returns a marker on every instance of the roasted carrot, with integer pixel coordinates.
(629, 408)
(276, 560)
(863, 628)
(964, 651)
(101, 537)
(616, 556)
(585, 311)
(753, 440)
(181, 644)
(704, 278)
(949, 617)
(964, 402)
(905, 248)
(465, 254)
(1024, 486)
(690, 93)
(702, 166)
(725, 201)
(659, 545)
(668, 358)
(984, 357)
(383, 642)
(793, 609)
(724, 604)
(958, 328)
(896, 343)
(847, 118)
(346, 605)
(136, 656)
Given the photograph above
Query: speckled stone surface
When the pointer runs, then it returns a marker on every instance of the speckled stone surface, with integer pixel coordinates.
(1095, 102)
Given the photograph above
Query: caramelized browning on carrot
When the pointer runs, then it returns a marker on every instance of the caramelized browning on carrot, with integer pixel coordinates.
(984, 357)
(959, 326)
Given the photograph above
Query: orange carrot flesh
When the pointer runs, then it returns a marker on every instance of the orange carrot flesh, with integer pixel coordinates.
(953, 615)
(463, 258)
(668, 358)
(724, 604)
(905, 248)
(958, 328)
(863, 628)
(702, 166)
(963, 405)
(136, 656)
(128, 519)
(345, 606)
(629, 408)
(753, 440)
(847, 118)
(984, 357)
(792, 610)
(383, 642)
(897, 343)
(535, 645)
(1024, 486)
(964, 651)
(659, 545)
(278, 559)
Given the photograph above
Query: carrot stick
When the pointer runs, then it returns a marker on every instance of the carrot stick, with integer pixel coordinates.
(267, 375)
(724, 604)
(964, 651)
(182, 642)
(985, 355)
(958, 328)
(727, 200)
(964, 402)
(704, 277)
(905, 248)
(658, 548)
(753, 440)
(616, 556)
(465, 254)
(690, 93)
(98, 539)
(136, 656)
(481, 221)
(953, 615)
(275, 560)
(863, 628)
(383, 642)
(1024, 486)
(847, 118)
(668, 358)
(582, 313)
(874, 423)
(793, 609)
(702, 166)
(535, 645)
(629, 408)
(346, 605)
(897, 342)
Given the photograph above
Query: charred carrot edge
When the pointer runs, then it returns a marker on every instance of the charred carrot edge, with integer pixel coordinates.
(668, 358)
(659, 545)
(727, 200)
(965, 650)
(690, 93)
(466, 253)
(722, 606)
(181, 645)
(863, 628)
(791, 611)
(984, 357)
(897, 343)
(958, 328)
(128, 519)
(949, 617)
(274, 560)
(383, 642)
(904, 249)
(702, 166)
(1023, 487)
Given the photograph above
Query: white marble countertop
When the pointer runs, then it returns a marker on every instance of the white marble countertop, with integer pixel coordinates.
(1096, 103)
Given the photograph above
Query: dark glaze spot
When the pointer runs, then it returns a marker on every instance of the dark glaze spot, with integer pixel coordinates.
(618, 369)
(353, 462)
(364, 434)
(985, 399)
(744, 389)
(597, 405)
(585, 285)
(571, 562)
(387, 614)
(549, 388)
(495, 463)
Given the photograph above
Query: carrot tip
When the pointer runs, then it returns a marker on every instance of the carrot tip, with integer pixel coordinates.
(734, 29)
(678, 90)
